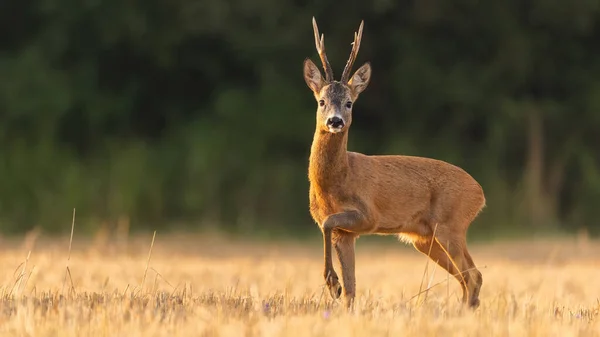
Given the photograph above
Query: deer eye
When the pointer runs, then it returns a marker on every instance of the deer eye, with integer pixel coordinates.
(321, 102)
(348, 104)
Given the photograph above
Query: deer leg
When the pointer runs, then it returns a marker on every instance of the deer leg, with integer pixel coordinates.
(437, 254)
(476, 279)
(469, 279)
(472, 276)
(331, 278)
(344, 243)
(350, 221)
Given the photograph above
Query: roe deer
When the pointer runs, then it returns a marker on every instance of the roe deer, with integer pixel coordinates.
(426, 202)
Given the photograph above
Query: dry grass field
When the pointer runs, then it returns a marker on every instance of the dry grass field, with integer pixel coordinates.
(200, 286)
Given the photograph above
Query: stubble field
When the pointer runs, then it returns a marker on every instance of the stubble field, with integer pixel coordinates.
(201, 286)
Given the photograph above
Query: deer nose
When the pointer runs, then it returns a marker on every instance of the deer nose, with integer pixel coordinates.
(335, 122)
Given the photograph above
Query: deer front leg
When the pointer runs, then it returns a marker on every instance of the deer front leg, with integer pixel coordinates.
(350, 221)
(331, 278)
(344, 243)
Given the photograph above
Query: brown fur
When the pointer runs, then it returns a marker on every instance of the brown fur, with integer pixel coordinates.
(353, 194)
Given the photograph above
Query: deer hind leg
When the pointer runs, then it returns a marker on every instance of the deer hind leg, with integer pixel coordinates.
(469, 279)
(476, 278)
(344, 243)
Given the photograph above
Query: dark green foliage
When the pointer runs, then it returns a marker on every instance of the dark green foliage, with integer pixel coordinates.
(196, 112)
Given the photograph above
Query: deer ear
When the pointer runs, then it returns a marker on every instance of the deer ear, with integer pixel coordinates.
(312, 76)
(360, 79)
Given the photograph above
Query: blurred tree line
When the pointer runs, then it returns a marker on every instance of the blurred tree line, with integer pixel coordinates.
(196, 112)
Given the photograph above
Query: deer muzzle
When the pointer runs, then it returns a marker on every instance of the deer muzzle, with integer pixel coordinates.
(335, 124)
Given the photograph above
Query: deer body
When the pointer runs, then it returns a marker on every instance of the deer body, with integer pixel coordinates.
(426, 202)
(397, 194)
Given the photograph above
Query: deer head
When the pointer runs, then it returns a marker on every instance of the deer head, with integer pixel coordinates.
(335, 98)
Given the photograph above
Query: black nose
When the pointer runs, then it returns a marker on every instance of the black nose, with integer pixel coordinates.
(335, 122)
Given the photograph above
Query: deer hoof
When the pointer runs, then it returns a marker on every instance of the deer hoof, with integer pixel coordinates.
(335, 289)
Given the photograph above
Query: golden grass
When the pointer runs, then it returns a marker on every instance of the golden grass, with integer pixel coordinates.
(195, 286)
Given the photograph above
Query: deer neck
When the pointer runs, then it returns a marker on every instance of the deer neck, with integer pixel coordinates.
(328, 164)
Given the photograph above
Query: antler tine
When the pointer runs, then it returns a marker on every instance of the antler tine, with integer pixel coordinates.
(353, 53)
(320, 44)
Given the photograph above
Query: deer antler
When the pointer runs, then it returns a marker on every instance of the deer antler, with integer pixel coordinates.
(353, 53)
(320, 43)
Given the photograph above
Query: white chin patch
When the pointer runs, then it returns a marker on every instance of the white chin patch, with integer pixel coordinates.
(335, 130)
